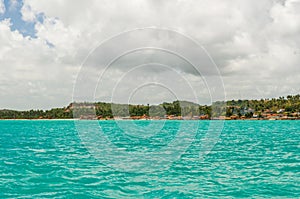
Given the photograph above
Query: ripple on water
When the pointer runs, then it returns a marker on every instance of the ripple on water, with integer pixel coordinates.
(46, 159)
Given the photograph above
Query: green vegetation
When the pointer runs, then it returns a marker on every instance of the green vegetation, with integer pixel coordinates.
(288, 106)
(57, 113)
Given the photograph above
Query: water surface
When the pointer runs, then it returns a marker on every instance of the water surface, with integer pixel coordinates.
(46, 159)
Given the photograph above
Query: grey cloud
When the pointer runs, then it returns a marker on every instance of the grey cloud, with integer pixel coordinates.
(254, 44)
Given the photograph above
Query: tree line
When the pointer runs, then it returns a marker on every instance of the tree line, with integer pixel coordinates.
(289, 105)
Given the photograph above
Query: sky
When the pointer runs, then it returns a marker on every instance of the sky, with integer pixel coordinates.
(146, 51)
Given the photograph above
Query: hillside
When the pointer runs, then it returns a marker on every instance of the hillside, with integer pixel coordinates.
(277, 108)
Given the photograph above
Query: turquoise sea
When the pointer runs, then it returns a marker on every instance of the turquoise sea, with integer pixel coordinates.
(251, 159)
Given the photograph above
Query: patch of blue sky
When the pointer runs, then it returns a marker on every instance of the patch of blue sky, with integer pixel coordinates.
(13, 12)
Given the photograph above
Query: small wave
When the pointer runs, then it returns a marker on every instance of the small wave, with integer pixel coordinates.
(37, 150)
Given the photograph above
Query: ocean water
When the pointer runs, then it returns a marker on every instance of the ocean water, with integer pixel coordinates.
(51, 159)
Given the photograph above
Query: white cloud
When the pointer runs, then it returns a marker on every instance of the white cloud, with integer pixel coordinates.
(27, 13)
(30, 74)
(255, 44)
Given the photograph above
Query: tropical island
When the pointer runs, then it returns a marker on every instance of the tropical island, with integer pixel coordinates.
(282, 108)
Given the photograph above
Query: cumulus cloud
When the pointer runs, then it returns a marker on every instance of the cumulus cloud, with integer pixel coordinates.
(31, 76)
(254, 44)
(27, 13)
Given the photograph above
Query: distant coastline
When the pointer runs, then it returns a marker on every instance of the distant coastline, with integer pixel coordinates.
(112, 119)
(282, 108)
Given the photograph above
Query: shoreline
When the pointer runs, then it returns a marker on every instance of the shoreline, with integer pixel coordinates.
(77, 119)
(71, 119)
